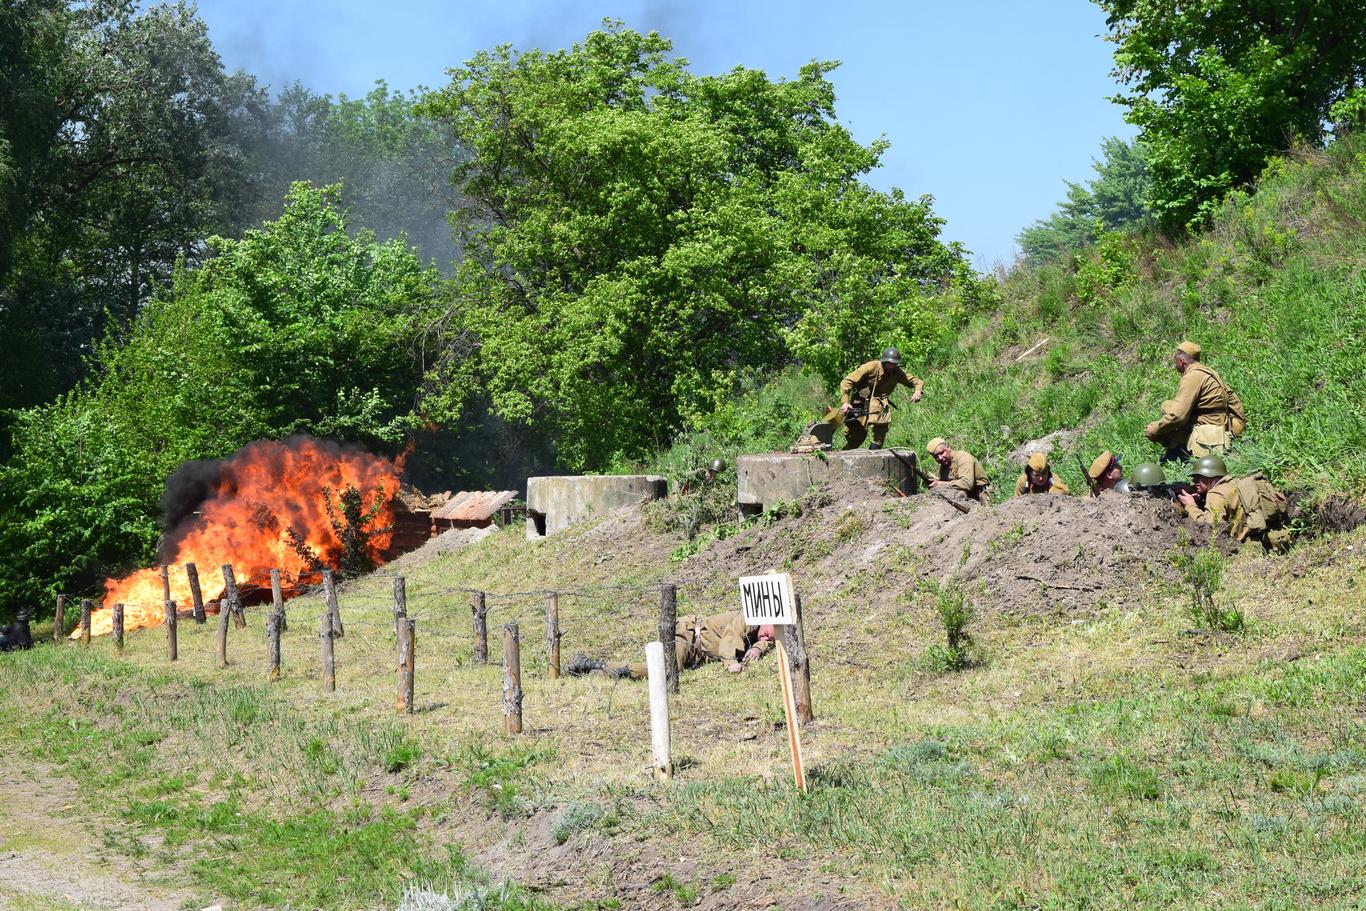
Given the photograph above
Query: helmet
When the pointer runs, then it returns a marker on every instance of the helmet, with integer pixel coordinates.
(1149, 474)
(891, 356)
(718, 465)
(1210, 466)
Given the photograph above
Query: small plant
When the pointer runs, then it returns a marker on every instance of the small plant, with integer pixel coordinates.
(1202, 570)
(574, 819)
(1115, 777)
(956, 612)
(850, 526)
(686, 893)
(401, 755)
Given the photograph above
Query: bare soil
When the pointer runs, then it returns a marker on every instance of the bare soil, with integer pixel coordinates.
(46, 856)
(1052, 553)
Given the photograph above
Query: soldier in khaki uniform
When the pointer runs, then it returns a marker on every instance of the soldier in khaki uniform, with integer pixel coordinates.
(1105, 474)
(1204, 417)
(960, 470)
(697, 640)
(1247, 507)
(870, 387)
(1038, 477)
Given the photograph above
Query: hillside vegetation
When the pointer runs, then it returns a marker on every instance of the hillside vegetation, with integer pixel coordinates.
(1273, 292)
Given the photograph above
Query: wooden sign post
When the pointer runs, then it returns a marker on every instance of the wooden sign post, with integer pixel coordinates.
(768, 600)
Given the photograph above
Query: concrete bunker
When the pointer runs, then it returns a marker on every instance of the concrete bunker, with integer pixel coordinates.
(554, 503)
(769, 478)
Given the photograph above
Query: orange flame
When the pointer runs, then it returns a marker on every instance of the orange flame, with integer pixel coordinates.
(263, 491)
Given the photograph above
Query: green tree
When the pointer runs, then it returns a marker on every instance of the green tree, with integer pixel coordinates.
(115, 127)
(1217, 87)
(1115, 199)
(637, 236)
(300, 327)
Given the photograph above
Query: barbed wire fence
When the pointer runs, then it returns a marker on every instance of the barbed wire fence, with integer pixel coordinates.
(454, 623)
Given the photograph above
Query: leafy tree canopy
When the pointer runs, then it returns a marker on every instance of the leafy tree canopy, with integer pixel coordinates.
(1219, 86)
(636, 235)
(300, 326)
(1115, 199)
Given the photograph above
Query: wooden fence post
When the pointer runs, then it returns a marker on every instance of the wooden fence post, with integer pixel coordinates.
(552, 635)
(221, 640)
(196, 595)
(326, 634)
(481, 628)
(172, 645)
(512, 679)
(668, 622)
(277, 602)
(400, 605)
(273, 645)
(407, 663)
(59, 621)
(659, 709)
(234, 601)
(86, 607)
(117, 630)
(794, 639)
(333, 609)
(165, 572)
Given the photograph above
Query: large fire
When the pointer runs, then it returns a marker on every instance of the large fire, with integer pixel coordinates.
(254, 499)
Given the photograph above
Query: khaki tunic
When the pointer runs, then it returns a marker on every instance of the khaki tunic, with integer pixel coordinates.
(1202, 399)
(966, 474)
(720, 637)
(879, 383)
(1223, 509)
(1054, 485)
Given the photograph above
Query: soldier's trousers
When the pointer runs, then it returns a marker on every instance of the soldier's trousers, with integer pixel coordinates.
(855, 432)
(686, 654)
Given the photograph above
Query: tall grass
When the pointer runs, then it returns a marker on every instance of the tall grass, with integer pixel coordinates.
(1274, 293)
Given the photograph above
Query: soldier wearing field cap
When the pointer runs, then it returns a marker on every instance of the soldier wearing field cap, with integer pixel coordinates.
(1038, 477)
(1205, 415)
(1105, 474)
(959, 469)
(865, 398)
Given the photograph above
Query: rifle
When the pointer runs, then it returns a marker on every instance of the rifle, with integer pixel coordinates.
(1086, 473)
(1169, 491)
(921, 473)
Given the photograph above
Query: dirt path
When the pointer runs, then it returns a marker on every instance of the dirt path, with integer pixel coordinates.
(49, 860)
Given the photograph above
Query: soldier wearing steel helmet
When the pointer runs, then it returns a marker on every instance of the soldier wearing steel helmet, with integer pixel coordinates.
(1038, 477)
(701, 477)
(865, 398)
(1246, 507)
(1205, 415)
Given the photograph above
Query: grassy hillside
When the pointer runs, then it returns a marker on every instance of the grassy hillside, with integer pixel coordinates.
(1274, 292)
(1100, 751)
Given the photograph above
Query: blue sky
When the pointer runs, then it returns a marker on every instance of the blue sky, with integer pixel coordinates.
(987, 105)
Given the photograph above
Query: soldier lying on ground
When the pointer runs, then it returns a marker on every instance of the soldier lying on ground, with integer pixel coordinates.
(960, 470)
(872, 384)
(1105, 474)
(16, 636)
(1246, 507)
(1205, 415)
(1038, 477)
(697, 640)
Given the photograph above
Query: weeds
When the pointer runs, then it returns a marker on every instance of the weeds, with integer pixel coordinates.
(956, 612)
(1202, 570)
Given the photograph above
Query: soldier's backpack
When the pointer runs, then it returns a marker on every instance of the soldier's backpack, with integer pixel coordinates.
(1264, 507)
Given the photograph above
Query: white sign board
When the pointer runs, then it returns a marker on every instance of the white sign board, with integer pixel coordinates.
(767, 599)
